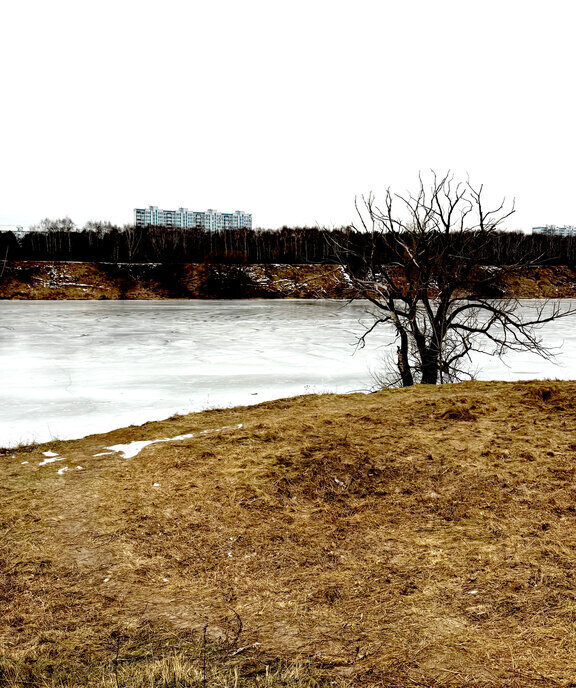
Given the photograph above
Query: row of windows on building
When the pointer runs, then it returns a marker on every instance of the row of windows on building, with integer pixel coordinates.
(555, 230)
(186, 219)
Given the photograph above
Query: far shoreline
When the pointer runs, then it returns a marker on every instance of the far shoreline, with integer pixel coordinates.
(77, 280)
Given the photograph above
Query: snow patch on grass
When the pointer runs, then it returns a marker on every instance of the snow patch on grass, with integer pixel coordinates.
(132, 449)
(52, 459)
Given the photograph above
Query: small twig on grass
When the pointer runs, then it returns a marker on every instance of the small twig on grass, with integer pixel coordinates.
(117, 637)
(204, 682)
(239, 629)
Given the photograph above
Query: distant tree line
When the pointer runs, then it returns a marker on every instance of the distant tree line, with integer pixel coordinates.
(103, 242)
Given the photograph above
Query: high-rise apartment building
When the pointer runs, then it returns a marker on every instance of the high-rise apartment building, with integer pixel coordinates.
(187, 219)
(554, 230)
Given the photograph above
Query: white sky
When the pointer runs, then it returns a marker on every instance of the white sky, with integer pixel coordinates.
(286, 109)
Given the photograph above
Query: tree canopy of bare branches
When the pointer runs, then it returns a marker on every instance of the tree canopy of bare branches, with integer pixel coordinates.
(434, 289)
(104, 242)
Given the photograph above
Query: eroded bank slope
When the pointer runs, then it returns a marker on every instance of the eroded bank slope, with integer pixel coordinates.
(65, 280)
(37, 280)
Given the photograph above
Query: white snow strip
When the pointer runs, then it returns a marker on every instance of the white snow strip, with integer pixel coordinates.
(178, 437)
(132, 449)
(49, 453)
(79, 468)
(62, 470)
(24, 463)
(103, 453)
(56, 458)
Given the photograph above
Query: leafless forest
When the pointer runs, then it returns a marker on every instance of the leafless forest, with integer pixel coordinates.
(60, 240)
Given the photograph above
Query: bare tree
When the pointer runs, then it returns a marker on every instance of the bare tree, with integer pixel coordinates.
(63, 224)
(132, 237)
(422, 268)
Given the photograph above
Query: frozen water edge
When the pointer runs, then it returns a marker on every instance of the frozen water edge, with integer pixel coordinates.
(74, 368)
(71, 369)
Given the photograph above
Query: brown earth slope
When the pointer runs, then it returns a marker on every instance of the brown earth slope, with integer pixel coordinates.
(37, 280)
(418, 537)
(62, 280)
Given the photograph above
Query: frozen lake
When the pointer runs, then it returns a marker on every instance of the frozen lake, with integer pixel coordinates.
(71, 368)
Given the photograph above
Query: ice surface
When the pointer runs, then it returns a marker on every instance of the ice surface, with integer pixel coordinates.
(71, 368)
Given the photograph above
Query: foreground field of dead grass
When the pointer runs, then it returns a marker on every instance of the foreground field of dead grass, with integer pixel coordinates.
(419, 537)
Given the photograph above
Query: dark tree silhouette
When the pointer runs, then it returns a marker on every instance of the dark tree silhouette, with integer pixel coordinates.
(424, 269)
(103, 242)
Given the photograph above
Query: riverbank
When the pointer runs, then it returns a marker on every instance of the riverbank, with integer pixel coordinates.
(37, 280)
(65, 280)
(410, 537)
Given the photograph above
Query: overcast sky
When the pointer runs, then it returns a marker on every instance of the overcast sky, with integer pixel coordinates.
(286, 109)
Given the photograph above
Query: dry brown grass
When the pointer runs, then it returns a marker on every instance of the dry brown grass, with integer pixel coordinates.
(411, 537)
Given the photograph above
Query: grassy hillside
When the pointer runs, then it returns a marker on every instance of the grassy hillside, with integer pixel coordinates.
(419, 537)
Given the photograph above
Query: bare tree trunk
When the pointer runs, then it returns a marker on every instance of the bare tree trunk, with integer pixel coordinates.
(430, 367)
(403, 362)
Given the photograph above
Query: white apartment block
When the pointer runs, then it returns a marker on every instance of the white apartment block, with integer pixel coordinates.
(554, 230)
(188, 219)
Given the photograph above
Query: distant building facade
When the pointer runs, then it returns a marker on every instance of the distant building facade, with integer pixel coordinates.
(188, 219)
(554, 230)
